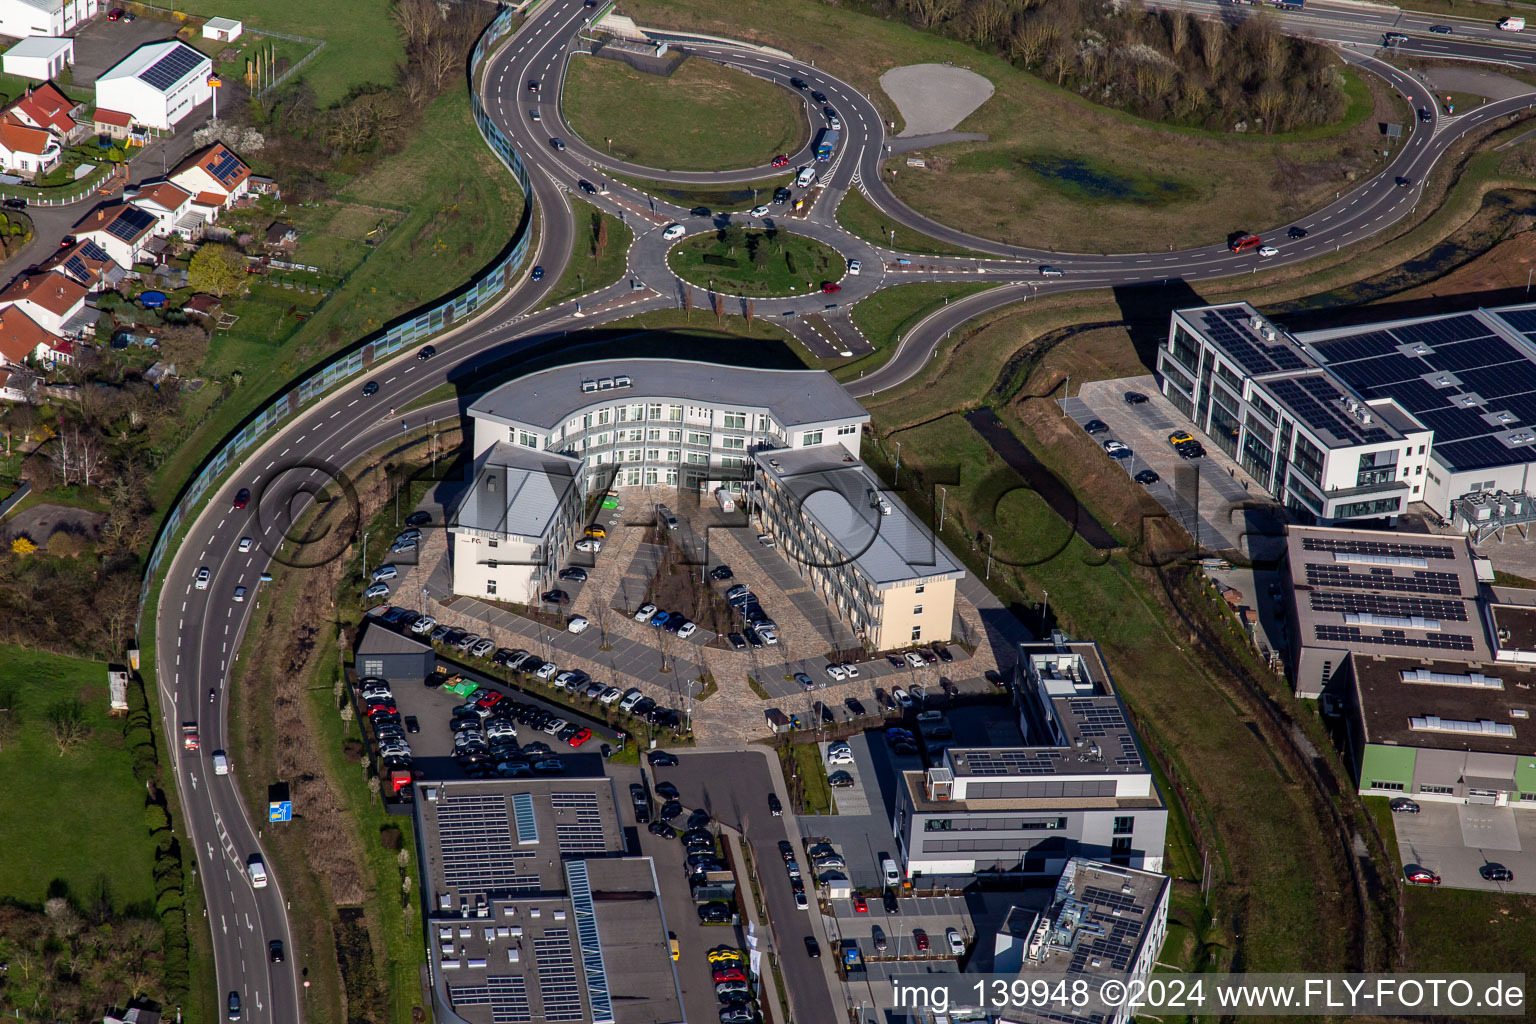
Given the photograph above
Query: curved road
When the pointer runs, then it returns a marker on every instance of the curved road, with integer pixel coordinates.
(201, 630)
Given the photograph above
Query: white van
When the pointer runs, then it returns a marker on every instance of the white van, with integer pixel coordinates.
(891, 871)
(220, 763)
(1512, 25)
(258, 872)
(808, 174)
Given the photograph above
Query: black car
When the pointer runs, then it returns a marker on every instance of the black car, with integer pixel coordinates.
(752, 638)
(1190, 450)
(587, 187)
(942, 651)
(737, 641)
(14, 204)
(854, 706)
(1134, 398)
(1403, 805)
(715, 913)
(781, 195)
(699, 211)
(774, 806)
(411, 724)
(669, 810)
(698, 834)
(1147, 476)
(1296, 231)
(370, 389)
(798, 83)
(427, 352)
(533, 85)
(574, 574)
(698, 819)
(786, 850)
(660, 828)
(1441, 30)
(275, 951)
(721, 573)
(666, 790)
(1095, 426)
(812, 947)
(661, 759)
(558, 144)
(819, 97)
(1403, 181)
(418, 519)
(555, 597)
(1496, 873)
(844, 780)
(891, 906)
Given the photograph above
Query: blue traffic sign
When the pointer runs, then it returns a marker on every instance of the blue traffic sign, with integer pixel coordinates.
(280, 810)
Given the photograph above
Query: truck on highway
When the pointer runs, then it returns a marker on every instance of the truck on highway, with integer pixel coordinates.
(826, 142)
(189, 735)
(1512, 25)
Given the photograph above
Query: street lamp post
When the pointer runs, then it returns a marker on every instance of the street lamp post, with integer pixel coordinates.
(896, 475)
(990, 538)
(943, 499)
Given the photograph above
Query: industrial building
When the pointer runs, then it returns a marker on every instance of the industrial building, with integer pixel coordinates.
(1076, 784)
(158, 85)
(787, 442)
(385, 654)
(1359, 422)
(533, 911)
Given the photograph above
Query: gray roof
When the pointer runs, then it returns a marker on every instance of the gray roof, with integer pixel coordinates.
(547, 398)
(835, 493)
(516, 491)
(380, 639)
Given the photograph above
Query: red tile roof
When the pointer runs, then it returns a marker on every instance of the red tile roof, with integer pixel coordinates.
(220, 163)
(18, 138)
(20, 335)
(113, 117)
(55, 292)
(167, 194)
(47, 106)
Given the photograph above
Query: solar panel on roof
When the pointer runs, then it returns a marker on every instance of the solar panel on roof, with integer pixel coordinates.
(171, 68)
(1355, 546)
(130, 223)
(1394, 638)
(225, 168)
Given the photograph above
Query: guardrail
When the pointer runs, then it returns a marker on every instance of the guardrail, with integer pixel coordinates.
(446, 314)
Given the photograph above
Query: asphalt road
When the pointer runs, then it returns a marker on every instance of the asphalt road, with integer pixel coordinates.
(200, 630)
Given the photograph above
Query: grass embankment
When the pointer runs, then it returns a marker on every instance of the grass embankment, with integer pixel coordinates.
(806, 776)
(756, 264)
(1056, 170)
(702, 117)
(859, 216)
(462, 208)
(101, 846)
(887, 315)
(598, 253)
(720, 199)
(361, 46)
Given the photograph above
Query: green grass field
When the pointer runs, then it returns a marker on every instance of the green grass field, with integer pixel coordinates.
(587, 271)
(702, 117)
(888, 314)
(77, 819)
(462, 208)
(789, 264)
(859, 216)
(361, 44)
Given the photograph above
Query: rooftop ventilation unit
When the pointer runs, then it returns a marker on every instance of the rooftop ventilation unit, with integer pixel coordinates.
(621, 381)
(1481, 727)
(588, 386)
(1475, 679)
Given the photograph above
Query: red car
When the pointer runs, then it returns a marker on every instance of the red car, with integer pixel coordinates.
(729, 974)
(831, 286)
(66, 241)
(921, 938)
(1421, 876)
(582, 735)
(781, 161)
(115, 14)
(860, 905)
(489, 701)
(242, 499)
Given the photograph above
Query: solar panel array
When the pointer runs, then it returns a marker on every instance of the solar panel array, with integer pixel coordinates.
(580, 831)
(1382, 604)
(1395, 638)
(1129, 757)
(1113, 951)
(130, 223)
(1421, 582)
(475, 841)
(1096, 718)
(1315, 401)
(558, 988)
(171, 68)
(1228, 328)
(507, 998)
(225, 167)
(591, 942)
(1011, 762)
(1111, 899)
(1472, 360)
(1377, 547)
(527, 824)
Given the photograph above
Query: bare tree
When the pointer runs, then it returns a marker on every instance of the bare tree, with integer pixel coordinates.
(1213, 42)
(70, 729)
(688, 301)
(750, 309)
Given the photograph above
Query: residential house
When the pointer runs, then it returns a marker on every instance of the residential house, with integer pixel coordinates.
(55, 301)
(203, 304)
(121, 230)
(47, 108)
(26, 150)
(114, 124)
(281, 236)
(22, 18)
(22, 338)
(17, 386)
(172, 206)
(215, 176)
(88, 264)
(261, 185)
(39, 58)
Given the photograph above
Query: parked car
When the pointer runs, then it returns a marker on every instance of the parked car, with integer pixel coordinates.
(661, 759)
(1403, 805)
(574, 574)
(920, 938)
(956, 943)
(1420, 875)
(1496, 873)
(812, 947)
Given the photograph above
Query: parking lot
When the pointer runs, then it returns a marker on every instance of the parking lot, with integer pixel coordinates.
(1210, 497)
(1457, 840)
(101, 43)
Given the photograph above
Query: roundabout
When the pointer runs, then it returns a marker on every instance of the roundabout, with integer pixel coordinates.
(757, 263)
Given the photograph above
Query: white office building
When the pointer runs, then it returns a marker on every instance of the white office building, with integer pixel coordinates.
(22, 18)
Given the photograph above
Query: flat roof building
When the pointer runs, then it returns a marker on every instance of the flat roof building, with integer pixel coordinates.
(533, 911)
(1453, 731)
(1375, 592)
(1077, 784)
(510, 531)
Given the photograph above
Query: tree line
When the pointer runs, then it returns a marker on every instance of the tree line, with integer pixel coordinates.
(1164, 66)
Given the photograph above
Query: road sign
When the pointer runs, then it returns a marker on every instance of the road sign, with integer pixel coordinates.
(280, 810)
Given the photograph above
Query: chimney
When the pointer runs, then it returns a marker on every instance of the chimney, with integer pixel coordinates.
(101, 215)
